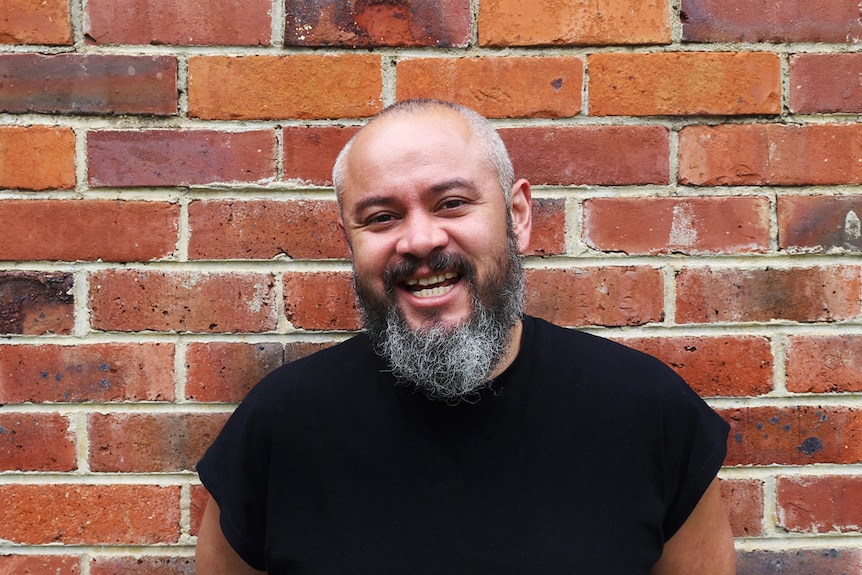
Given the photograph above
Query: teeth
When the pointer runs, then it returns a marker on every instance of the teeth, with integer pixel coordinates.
(436, 279)
(431, 292)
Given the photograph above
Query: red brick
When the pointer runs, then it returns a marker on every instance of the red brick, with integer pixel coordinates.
(687, 225)
(88, 84)
(310, 152)
(179, 157)
(320, 301)
(71, 514)
(819, 223)
(199, 499)
(298, 349)
(725, 366)
(799, 562)
(548, 236)
(129, 300)
(785, 21)
(368, 24)
(824, 364)
(28, 22)
(264, 229)
(611, 296)
(744, 501)
(225, 372)
(597, 155)
(812, 294)
(825, 83)
(684, 83)
(497, 87)
(37, 158)
(303, 86)
(142, 566)
(822, 504)
(154, 443)
(771, 154)
(39, 565)
(560, 22)
(90, 372)
(70, 230)
(179, 22)
(36, 303)
(801, 435)
(36, 442)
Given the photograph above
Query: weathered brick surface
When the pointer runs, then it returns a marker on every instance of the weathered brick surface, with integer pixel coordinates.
(370, 24)
(140, 442)
(690, 225)
(819, 223)
(598, 155)
(36, 303)
(225, 372)
(36, 442)
(785, 21)
(95, 372)
(558, 22)
(744, 501)
(548, 236)
(129, 300)
(684, 83)
(770, 154)
(182, 22)
(199, 499)
(76, 230)
(39, 564)
(142, 566)
(28, 22)
(825, 83)
(179, 157)
(320, 300)
(88, 84)
(80, 514)
(596, 296)
(801, 435)
(302, 86)
(741, 295)
(824, 364)
(715, 366)
(310, 152)
(822, 504)
(497, 87)
(37, 158)
(248, 230)
(799, 562)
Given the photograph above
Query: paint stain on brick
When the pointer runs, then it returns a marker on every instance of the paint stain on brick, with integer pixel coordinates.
(810, 446)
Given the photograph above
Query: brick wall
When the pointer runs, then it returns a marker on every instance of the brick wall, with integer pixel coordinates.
(168, 234)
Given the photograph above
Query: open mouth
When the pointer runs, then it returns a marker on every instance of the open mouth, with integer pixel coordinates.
(431, 286)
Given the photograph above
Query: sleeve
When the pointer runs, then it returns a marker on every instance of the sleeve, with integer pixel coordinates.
(235, 470)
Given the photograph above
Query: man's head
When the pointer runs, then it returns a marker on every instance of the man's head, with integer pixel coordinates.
(435, 225)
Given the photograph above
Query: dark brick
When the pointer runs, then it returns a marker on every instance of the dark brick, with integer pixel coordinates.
(142, 566)
(33, 303)
(820, 222)
(800, 562)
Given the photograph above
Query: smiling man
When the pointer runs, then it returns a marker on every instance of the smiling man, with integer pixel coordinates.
(456, 435)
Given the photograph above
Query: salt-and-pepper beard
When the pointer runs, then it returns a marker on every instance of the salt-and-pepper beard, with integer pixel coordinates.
(448, 363)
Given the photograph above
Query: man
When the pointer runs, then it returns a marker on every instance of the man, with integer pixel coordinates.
(456, 435)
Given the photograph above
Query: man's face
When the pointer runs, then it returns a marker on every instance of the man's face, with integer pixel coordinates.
(426, 219)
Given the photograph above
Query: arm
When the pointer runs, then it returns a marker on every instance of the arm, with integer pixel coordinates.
(214, 555)
(704, 543)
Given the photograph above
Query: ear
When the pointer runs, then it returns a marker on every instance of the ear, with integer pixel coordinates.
(343, 230)
(522, 213)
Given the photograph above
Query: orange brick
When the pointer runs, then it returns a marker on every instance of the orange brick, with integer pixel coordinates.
(560, 22)
(225, 372)
(824, 364)
(822, 504)
(610, 296)
(825, 83)
(36, 442)
(28, 22)
(770, 154)
(666, 225)
(744, 501)
(91, 372)
(310, 152)
(684, 83)
(320, 301)
(38, 564)
(264, 229)
(70, 230)
(142, 566)
(302, 86)
(130, 300)
(36, 303)
(510, 87)
(72, 514)
(37, 158)
(814, 294)
(819, 223)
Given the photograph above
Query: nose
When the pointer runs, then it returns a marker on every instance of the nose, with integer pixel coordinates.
(420, 236)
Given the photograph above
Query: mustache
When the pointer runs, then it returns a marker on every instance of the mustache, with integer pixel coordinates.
(437, 262)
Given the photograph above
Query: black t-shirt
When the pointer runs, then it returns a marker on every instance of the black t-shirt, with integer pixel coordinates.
(583, 457)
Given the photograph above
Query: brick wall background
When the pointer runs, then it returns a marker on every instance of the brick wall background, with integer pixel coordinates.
(168, 235)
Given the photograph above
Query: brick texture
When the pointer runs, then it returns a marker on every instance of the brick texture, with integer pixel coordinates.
(819, 223)
(36, 303)
(824, 364)
(820, 504)
(37, 564)
(548, 236)
(321, 300)
(143, 566)
(28, 22)
(37, 158)
(799, 562)
(310, 152)
(744, 499)
(36, 442)
(225, 372)
(825, 83)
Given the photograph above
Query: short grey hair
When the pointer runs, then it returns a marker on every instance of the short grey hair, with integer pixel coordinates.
(496, 156)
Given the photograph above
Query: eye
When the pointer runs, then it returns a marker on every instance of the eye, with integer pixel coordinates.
(452, 203)
(379, 218)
